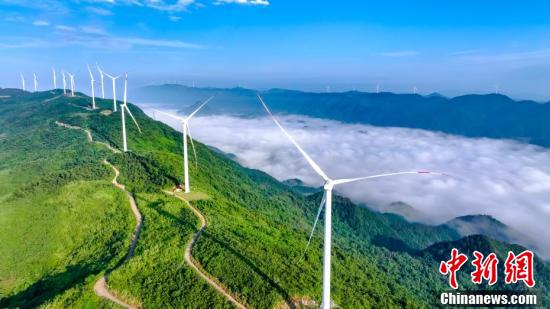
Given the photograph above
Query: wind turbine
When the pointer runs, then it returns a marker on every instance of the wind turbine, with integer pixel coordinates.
(101, 78)
(415, 89)
(125, 108)
(54, 79)
(22, 81)
(71, 76)
(377, 88)
(327, 201)
(113, 78)
(64, 82)
(92, 80)
(186, 131)
(35, 82)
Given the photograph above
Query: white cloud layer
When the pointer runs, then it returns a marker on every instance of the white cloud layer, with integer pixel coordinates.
(505, 179)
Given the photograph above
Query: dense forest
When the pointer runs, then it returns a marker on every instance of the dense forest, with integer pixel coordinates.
(62, 224)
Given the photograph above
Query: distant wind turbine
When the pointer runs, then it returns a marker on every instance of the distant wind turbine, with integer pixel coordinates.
(22, 81)
(64, 82)
(327, 202)
(101, 76)
(71, 76)
(124, 108)
(113, 78)
(186, 131)
(497, 89)
(35, 82)
(54, 79)
(415, 89)
(377, 88)
(92, 81)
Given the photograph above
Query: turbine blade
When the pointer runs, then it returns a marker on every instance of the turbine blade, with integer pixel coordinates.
(134, 119)
(199, 108)
(193, 146)
(347, 180)
(312, 163)
(321, 206)
(170, 115)
(90, 71)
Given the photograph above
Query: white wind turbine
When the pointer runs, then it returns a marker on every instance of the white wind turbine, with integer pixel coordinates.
(92, 80)
(71, 76)
(64, 83)
(113, 78)
(22, 81)
(125, 108)
(35, 82)
(327, 201)
(101, 77)
(186, 131)
(54, 79)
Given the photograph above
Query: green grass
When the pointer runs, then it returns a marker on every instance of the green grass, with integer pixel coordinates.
(157, 275)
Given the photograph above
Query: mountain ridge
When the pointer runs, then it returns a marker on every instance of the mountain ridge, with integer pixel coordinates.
(472, 115)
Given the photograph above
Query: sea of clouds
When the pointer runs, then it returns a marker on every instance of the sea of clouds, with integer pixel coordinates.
(505, 179)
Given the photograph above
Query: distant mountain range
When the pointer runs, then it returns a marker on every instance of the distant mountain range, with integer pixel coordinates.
(491, 115)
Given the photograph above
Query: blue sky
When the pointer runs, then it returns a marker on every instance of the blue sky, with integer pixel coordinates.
(448, 46)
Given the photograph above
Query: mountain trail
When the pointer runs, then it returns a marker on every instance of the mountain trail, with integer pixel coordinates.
(194, 264)
(100, 287)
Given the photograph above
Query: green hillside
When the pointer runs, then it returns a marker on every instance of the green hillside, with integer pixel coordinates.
(62, 223)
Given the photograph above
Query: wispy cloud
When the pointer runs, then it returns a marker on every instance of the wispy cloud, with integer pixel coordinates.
(245, 2)
(174, 18)
(26, 43)
(65, 28)
(41, 23)
(464, 52)
(99, 11)
(521, 56)
(400, 53)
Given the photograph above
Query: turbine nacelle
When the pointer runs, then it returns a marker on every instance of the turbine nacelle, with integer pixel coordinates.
(329, 185)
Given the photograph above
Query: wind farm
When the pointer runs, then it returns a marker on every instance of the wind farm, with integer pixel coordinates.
(359, 156)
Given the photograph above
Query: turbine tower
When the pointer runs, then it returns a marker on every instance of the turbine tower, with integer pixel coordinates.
(71, 76)
(92, 81)
(64, 83)
(54, 79)
(327, 202)
(101, 76)
(186, 131)
(124, 108)
(22, 81)
(35, 82)
(113, 78)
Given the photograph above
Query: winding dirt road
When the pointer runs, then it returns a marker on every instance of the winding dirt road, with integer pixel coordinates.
(194, 264)
(100, 287)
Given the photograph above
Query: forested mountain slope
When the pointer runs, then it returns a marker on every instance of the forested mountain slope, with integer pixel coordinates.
(63, 223)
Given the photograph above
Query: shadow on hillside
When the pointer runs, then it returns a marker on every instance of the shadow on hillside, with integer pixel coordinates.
(393, 244)
(48, 287)
(255, 268)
